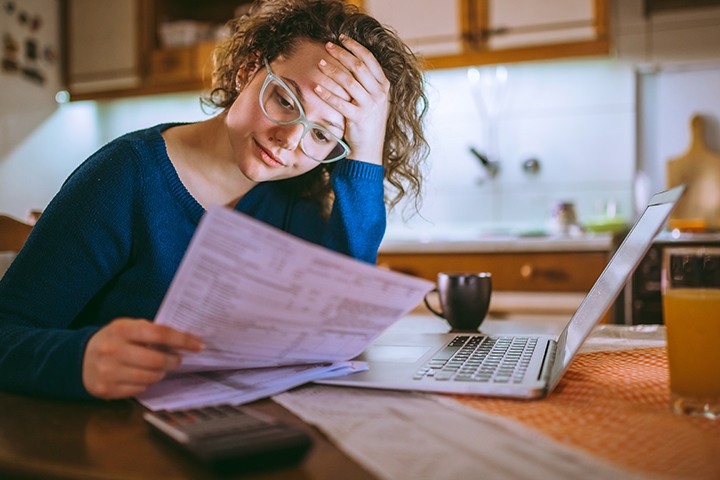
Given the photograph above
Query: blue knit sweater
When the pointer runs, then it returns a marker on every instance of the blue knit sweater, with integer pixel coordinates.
(109, 243)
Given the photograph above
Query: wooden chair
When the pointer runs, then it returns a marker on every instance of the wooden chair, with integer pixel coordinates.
(13, 234)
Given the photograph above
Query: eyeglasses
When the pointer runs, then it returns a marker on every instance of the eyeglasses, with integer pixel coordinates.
(281, 106)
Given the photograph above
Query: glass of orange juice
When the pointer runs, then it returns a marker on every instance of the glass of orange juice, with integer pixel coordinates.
(691, 310)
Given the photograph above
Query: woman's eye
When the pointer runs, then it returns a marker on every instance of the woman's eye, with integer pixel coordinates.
(285, 102)
(321, 136)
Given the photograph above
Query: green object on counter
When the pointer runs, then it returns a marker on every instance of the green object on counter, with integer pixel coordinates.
(612, 225)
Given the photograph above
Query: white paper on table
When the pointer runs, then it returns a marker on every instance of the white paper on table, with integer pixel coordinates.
(409, 436)
(203, 389)
(259, 297)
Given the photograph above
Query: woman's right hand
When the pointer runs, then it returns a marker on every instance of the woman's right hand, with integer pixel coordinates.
(127, 355)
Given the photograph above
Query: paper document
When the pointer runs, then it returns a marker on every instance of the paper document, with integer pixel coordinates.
(202, 389)
(260, 297)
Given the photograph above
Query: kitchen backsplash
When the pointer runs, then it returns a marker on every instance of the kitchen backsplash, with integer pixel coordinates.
(577, 118)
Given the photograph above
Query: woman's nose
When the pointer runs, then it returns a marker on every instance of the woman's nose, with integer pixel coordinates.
(289, 136)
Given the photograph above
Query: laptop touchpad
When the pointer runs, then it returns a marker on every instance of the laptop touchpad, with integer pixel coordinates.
(395, 353)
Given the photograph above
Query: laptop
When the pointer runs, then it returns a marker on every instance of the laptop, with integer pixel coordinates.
(516, 366)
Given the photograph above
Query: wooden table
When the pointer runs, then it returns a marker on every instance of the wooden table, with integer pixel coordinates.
(96, 440)
(54, 439)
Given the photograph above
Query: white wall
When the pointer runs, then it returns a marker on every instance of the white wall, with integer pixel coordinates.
(670, 98)
(33, 172)
(576, 117)
(677, 57)
(27, 102)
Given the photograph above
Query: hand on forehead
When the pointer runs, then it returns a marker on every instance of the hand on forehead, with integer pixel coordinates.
(305, 59)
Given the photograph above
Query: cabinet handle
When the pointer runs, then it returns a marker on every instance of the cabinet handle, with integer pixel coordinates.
(526, 271)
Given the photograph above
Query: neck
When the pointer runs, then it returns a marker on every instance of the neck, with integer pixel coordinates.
(204, 160)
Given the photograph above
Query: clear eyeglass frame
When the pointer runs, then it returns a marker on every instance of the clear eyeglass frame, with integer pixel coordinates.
(302, 118)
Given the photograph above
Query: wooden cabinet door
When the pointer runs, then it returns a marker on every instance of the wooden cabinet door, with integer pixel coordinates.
(431, 28)
(173, 66)
(519, 23)
(103, 45)
(529, 272)
(461, 33)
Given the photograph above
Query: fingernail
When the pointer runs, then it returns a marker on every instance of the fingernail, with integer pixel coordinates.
(330, 45)
(318, 89)
(323, 62)
(342, 36)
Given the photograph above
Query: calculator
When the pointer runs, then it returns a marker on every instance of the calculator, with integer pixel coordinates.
(231, 439)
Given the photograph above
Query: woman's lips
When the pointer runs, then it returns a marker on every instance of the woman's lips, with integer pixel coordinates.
(268, 157)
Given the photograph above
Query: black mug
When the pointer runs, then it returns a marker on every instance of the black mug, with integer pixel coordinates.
(464, 299)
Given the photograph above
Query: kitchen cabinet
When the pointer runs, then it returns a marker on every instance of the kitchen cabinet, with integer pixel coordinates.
(181, 66)
(120, 48)
(513, 23)
(511, 271)
(115, 47)
(103, 45)
(457, 33)
(522, 276)
(431, 28)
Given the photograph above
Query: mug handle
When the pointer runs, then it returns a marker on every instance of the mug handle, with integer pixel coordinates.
(435, 290)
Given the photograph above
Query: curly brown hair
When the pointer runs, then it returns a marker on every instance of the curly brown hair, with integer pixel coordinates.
(274, 28)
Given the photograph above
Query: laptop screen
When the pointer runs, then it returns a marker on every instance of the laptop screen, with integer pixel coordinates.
(613, 279)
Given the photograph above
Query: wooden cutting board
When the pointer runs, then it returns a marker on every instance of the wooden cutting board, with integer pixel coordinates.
(699, 169)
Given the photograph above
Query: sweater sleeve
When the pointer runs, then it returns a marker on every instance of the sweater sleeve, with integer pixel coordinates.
(358, 219)
(80, 242)
(356, 223)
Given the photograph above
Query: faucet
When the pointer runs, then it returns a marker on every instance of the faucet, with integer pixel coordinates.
(493, 167)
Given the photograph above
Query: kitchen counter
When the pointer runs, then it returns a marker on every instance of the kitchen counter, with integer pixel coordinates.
(492, 243)
(548, 274)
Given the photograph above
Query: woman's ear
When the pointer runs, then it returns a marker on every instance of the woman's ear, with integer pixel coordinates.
(246, 72)
(240, 79)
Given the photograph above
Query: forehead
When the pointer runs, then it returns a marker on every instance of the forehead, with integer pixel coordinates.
(302, 63)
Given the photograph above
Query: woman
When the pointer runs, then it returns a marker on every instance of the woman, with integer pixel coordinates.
(320, 105)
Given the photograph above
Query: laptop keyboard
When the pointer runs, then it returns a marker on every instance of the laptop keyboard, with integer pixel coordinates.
(481, 359)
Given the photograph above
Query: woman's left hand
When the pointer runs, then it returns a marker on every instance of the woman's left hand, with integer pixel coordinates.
(360, 92)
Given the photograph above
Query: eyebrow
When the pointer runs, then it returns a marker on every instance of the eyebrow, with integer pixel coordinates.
(301, 97)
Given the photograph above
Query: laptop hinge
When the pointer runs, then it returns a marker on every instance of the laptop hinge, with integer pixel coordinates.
(548, 361)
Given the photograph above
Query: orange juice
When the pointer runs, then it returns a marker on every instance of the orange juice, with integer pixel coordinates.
(692, 318)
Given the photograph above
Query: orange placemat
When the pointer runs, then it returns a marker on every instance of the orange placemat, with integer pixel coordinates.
(615, 405)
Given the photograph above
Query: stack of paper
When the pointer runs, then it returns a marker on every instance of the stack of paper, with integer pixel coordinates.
(202, 389)
(259, 297)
